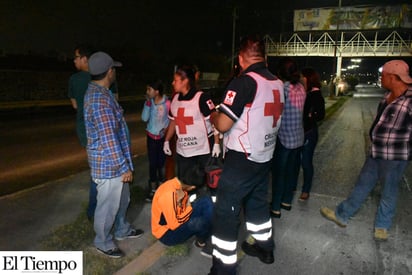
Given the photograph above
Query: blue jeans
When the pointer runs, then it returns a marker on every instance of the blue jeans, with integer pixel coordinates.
(92, 199)
(389, 173)
(199, 224)
(308, 150)
(113, 197)
(284, 174)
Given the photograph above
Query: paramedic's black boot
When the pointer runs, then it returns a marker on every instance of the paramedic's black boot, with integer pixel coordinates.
(256, 251)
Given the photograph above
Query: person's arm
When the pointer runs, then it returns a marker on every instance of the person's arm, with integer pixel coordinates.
(106, 123)
(216, 150)
(166, 119)
(238, 93)
(221, 121)
(174, 212)
(146, 110)
(171, 129)
(216, 137)
(207, 107)
(172, 124)
(127, 177)
(74, 103)
(318, 112)
(169, 134)
(71, 93)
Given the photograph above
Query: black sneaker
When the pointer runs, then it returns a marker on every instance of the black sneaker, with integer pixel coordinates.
(149, 197)
(112, 253)
(256, 251)
(199, 243)
(286, 206)
(207, 251)
(135, 233)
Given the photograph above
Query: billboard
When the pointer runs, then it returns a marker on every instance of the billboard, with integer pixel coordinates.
(353, 18)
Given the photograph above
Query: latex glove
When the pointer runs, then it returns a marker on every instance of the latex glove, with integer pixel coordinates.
(216, 132)
(216, 150)
(166, 148)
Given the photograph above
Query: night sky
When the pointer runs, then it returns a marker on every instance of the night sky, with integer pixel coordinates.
(144, 29)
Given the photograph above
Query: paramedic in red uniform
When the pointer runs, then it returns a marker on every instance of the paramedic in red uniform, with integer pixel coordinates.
(249, 117)
(189, 115)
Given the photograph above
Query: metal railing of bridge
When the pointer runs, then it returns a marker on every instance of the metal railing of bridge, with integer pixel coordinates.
(347, 45)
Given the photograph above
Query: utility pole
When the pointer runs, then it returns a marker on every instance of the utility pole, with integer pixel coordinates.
(234, 14)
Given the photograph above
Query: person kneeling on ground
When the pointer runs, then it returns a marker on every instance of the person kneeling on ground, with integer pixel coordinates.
(175, 218)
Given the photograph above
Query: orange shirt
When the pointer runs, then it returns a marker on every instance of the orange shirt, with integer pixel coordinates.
(167, 213)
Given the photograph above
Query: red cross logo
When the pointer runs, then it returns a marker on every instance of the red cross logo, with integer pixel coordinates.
(181, 120)
(230, 97)
(274, 108)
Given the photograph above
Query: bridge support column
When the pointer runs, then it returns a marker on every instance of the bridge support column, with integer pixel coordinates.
(338, 74)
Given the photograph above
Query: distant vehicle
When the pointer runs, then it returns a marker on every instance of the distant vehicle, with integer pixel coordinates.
(369, 85)
(368, 90)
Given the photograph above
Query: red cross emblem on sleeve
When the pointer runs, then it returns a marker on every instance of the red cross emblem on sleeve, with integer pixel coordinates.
(182, 121)
(229, 98)
(275, 108)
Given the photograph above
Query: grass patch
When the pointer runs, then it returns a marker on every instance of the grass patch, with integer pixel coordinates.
(178, 250)
(335, 106)
(72, 236)
(79, 235)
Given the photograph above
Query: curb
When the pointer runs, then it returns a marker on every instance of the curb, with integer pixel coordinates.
(144, 261)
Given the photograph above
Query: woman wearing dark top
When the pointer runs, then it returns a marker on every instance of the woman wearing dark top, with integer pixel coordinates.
(313, 111)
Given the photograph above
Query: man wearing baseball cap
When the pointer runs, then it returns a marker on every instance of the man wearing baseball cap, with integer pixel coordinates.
(390, 151)
(109, 156)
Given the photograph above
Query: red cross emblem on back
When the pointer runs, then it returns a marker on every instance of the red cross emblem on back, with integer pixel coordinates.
(182, 121)
(275, 108)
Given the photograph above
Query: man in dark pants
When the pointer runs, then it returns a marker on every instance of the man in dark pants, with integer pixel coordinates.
(249, 117)
(78, 83)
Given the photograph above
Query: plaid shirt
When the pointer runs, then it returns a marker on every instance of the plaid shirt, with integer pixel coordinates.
(391, 132)
(291, 133)
(108, 145)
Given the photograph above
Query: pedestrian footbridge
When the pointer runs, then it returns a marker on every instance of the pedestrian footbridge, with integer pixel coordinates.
(343, 44)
